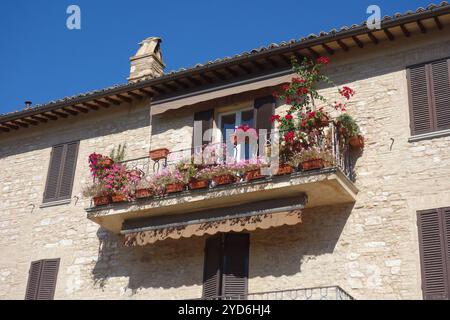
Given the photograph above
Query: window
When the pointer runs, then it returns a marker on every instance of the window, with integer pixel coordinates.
(429, 96)
(232, 120)
(61, 172)
(434, 242)
(226, 265)
(42, 279)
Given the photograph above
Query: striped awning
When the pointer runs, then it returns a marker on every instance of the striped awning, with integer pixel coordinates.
(246, 217)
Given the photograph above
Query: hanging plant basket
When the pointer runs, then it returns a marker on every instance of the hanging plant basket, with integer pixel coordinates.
(253, 175)
(224, 179)
(101, 200)
(159, 154)
(118, 197)
(174, 187)
(356, 141)
(198, 184)
(312, 164)
(143, 193)
(284, 168)
(343, 131)
(323, 121)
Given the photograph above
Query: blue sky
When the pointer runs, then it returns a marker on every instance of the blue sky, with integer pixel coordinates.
(41, 60)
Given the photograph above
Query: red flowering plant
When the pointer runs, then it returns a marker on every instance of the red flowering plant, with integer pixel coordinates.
(303, 126)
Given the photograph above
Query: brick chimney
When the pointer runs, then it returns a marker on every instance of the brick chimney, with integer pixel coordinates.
(147, 63)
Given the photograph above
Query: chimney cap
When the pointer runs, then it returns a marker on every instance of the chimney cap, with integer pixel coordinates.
(28, 103)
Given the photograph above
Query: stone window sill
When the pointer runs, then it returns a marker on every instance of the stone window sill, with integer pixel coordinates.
(55, 203)
(429, 135)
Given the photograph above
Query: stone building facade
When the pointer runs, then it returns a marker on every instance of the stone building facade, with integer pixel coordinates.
(369, 247)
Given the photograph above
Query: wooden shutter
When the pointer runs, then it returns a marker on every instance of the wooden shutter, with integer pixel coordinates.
(264, 109)
(33, 280)
(68, 170)
(212, 267)
(434, 256)
(61, 172)
(429, 95)
(420, 100)
(42, 280)
(206, 117)
(235, 264)
(441, 93)
(52, 185)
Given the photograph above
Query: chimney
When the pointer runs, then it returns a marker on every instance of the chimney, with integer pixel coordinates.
(147, 63)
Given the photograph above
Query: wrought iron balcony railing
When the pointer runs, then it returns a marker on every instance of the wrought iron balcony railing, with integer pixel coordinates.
(317, 293)
(339, 150)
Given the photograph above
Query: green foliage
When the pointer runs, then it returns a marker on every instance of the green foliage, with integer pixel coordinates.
(346, 121)
(119, 154)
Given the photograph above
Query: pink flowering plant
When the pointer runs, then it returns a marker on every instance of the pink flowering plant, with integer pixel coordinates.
(111, 177)
(166, 176)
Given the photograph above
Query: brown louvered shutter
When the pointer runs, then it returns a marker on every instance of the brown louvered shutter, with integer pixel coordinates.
(264, 109)
(441, 93)
(33, 280)
(61, 172)
(429, 95)
(47, 282)
(206, 118)
(434, 256)
(42, 280)
(68, 170)
(420, 100)
(212, 267)
(235, 265)
(52, 185)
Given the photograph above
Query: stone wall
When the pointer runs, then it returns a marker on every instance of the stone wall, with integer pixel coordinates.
(369, 248)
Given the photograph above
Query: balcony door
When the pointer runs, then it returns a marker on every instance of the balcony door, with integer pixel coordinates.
(231, 121)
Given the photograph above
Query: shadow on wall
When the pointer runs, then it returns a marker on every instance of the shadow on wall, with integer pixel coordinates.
(177, 263)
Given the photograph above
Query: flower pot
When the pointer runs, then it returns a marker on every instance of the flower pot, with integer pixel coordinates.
(253, 175)
(174, 187)
(198, 184)
(159, 154)
(118, 197)
(107, 162)
(312, 164)
(343, 131)
(101, 200)
(284, 169)
(143, 193)
(224, 179)
(356, 141)
(323, 121)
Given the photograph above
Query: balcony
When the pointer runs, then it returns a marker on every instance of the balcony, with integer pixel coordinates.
(320, 187)
(317, 293)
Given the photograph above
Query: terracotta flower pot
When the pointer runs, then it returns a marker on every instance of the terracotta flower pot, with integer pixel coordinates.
(174, 187)
(356, 141)
(343, 131)
(101, 200)
(198, 184)
(224, 179)
(312, 164)
(107, 162)
(323, 121)
(284, 169)
(253, 175)
(159, 154)
(118, 197)
(143, 193)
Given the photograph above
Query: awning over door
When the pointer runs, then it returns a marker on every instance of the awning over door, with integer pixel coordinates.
(263, 215)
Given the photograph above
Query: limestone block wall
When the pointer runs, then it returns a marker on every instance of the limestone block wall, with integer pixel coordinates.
(369, 248)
